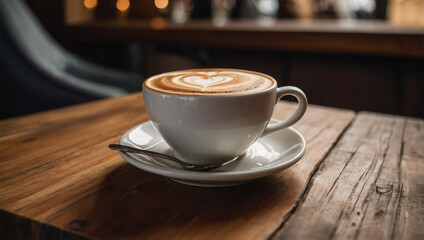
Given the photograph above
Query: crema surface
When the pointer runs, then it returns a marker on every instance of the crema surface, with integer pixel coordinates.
(210, 82)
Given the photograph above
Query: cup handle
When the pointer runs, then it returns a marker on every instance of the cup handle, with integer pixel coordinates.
(301, 109)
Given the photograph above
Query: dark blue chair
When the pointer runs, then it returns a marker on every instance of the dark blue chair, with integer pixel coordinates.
(38, 74)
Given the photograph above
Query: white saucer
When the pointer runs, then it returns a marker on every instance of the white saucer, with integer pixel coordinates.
(267, 156)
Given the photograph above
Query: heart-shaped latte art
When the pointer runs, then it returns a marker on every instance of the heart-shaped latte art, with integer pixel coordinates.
(209, 82)
(204, 82)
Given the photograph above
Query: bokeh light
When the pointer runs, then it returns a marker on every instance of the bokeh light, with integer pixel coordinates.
(161, 4)
(123, 5)
(90, 4)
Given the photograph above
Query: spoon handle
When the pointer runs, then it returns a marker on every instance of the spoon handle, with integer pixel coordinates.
(187, 166)
(124, 148)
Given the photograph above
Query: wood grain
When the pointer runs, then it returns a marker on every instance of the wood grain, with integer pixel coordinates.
(51, 135)
(369, 187)
(56, 169)
(410, 218)
(16, 227)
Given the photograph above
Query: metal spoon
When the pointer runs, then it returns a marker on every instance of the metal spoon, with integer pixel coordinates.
(187, 166)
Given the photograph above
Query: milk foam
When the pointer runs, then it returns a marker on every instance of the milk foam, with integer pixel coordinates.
(210, 82)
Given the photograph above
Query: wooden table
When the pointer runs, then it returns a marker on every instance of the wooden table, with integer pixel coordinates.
(361, 177)
(325, 36)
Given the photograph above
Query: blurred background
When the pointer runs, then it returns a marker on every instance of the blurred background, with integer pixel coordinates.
(365, 55)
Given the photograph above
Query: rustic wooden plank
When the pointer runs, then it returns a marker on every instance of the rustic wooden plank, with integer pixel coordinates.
(93, 192)
(50, 135)
(357, 192)
(411, 215)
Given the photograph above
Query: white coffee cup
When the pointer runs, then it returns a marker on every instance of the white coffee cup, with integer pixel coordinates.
(204, 129)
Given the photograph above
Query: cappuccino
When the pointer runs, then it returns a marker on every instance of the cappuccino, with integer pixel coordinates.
(210, 82)
(214, 115)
